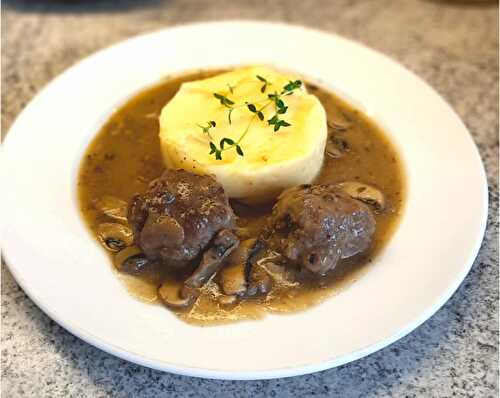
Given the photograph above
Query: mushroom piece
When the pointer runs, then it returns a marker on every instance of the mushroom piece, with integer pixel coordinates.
(365, 193)
(259, 279)
(233, 279)
(160, 229)
(224, 243)
(339, 125)
(281, 274)
(260, 283)
(336, 147)
(183, 296)
(174, 296)
(131, 260)
(113, 207)
(226, 301)
(114, 236)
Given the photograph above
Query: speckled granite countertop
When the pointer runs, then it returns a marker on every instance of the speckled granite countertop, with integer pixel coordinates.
(451, 44)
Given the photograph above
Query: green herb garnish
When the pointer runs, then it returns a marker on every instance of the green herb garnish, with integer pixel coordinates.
(224, 100)
(266, 83)
(275, 98)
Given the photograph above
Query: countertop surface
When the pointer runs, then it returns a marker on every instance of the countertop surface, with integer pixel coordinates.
(453, 45)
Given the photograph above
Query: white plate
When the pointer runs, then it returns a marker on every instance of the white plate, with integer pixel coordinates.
(60, 266)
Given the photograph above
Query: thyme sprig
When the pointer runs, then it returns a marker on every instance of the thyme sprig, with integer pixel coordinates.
(276, 121)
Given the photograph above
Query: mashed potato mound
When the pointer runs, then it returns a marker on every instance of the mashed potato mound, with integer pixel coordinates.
(272, 161)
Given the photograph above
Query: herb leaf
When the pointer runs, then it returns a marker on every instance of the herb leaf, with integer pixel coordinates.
(273, 120)
(292, 86)
(229, 141)
(213, 148)
(278, 123)
(224, 100)
(265, 81)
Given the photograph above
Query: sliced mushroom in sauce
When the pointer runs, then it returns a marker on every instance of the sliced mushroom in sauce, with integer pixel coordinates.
(365, 193)
(174, 296)
(114, 236)
(113, 207)
(131, 260)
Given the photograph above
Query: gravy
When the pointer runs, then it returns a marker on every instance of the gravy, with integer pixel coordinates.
(125, 156)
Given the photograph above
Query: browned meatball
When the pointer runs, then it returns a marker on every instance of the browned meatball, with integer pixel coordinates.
(179, 214)
(315, 226)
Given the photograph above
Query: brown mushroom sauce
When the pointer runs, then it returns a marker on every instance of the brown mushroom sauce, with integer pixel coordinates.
(125, 156)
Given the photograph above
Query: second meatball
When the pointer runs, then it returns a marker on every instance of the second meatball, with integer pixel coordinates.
(315, 226)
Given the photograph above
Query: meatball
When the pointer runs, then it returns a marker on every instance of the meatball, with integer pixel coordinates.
(315, 226)
(178, 216)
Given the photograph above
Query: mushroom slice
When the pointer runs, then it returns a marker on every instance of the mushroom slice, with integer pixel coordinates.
(160, 229)
(113, 207)
(114, 236)
(174, 296)
(241, 254)
(233, 275)
(227, 301)
(281, 274)
(224, 243)
(131, 260)
(365, 193)
(336, 147)
(260, 284)
(339, 125)
(232, 279)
